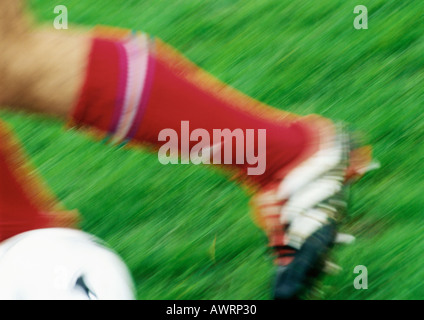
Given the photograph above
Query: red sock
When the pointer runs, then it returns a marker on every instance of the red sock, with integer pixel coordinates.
(25, 203)
(135, 87)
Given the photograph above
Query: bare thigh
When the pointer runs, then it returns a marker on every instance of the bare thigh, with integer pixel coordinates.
(44, 71)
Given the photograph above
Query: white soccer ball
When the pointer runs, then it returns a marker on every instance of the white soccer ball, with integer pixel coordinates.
(61, 264)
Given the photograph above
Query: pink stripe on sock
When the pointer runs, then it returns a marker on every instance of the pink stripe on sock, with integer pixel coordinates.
(122, 84)
(146, 93)
(137, 51)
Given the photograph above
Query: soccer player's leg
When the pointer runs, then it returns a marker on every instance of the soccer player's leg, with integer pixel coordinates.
(136, 86)
(26, 203)
(41, 68)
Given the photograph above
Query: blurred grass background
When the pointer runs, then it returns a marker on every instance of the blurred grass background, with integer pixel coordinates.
(185, 231)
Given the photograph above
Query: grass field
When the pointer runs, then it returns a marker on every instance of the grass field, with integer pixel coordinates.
(185, 231)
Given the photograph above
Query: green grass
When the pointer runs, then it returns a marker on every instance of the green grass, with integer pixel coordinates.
(301, 56)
